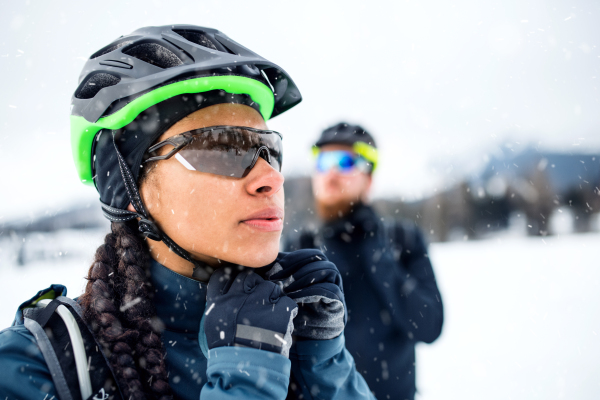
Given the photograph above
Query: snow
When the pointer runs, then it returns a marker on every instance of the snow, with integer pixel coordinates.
(62, 257)
(521, 314)
(521, 320)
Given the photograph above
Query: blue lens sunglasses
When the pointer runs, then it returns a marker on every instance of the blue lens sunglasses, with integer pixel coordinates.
(344, 161)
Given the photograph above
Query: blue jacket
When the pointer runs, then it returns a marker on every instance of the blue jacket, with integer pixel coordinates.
(393, 301)
(321, 369)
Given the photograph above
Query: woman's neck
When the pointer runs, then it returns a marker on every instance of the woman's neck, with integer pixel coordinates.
(160, 252)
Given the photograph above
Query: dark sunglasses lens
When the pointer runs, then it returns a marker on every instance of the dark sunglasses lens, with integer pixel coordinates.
(229, 152)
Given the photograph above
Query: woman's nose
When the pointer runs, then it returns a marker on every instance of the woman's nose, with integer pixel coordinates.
(263, 179)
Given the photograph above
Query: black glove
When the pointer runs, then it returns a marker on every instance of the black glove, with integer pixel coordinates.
(245, 310)
(315, 283)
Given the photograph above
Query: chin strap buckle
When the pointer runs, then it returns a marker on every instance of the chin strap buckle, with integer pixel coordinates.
(149, 230)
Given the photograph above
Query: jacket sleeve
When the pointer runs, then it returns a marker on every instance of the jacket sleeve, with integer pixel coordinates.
(410, 291)
(24, 371)
(324, 369)
(245, 373)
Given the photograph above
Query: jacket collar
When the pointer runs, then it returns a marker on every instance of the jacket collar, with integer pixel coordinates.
(362, 218)
(180, 301)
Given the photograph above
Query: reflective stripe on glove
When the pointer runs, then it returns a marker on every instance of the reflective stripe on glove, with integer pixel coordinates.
(315, 283)
(245, 310)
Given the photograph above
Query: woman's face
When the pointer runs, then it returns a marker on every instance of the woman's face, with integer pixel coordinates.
(215, 217)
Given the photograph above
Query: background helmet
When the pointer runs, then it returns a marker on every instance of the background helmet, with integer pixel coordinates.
(352, 135)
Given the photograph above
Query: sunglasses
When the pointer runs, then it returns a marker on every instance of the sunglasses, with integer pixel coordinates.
(343, 161)
(223, 150)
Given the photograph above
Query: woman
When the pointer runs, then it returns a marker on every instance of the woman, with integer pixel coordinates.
(188, 297)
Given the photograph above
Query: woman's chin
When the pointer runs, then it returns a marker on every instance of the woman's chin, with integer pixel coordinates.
(253, 257)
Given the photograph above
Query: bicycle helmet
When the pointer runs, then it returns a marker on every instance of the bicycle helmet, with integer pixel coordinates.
(134, 89)
(352, 135)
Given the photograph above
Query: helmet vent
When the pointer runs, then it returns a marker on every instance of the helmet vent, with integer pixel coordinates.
(155, 54)
(93, 84)
(109, 48)
(197, 37)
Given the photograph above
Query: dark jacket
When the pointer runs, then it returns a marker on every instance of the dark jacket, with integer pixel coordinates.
(227, 372)
(393, 300)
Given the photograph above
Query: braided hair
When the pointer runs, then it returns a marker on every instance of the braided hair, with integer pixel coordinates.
(118, 307)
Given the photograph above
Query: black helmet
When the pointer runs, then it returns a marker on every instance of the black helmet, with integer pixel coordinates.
(352, 135)
(345, 133)
(137, 87)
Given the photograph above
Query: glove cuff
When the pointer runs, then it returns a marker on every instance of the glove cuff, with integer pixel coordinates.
(258, 338)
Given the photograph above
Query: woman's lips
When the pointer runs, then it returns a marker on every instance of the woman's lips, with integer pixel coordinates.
(267, 220)
(267, 225)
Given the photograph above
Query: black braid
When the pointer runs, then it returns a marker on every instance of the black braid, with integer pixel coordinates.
(118, 306)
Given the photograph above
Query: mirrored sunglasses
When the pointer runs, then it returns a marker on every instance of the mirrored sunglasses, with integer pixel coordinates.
(343, 161)
(222, 150)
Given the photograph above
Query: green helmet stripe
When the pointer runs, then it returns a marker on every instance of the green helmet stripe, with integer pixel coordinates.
(83, 131)
(369, 152)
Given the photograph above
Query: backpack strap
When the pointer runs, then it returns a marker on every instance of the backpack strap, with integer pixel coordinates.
(60, 382)
(69, 346)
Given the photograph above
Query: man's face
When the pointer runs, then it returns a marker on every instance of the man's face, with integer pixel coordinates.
(337, 188)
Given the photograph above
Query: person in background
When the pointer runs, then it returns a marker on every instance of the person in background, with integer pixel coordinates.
(391, 293)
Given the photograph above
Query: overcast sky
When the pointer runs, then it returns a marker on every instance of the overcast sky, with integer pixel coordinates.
(439, 84)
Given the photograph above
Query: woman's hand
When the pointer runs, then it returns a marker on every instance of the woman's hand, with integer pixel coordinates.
(245, 310)
(315, 284)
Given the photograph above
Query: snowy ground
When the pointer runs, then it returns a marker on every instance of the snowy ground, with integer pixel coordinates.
(522, 314)
(522, 320)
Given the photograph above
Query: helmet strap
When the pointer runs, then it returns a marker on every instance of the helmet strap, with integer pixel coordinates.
(146, 226)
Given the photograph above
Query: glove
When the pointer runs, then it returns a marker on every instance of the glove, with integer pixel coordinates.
(245, 310)
(315, 284)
